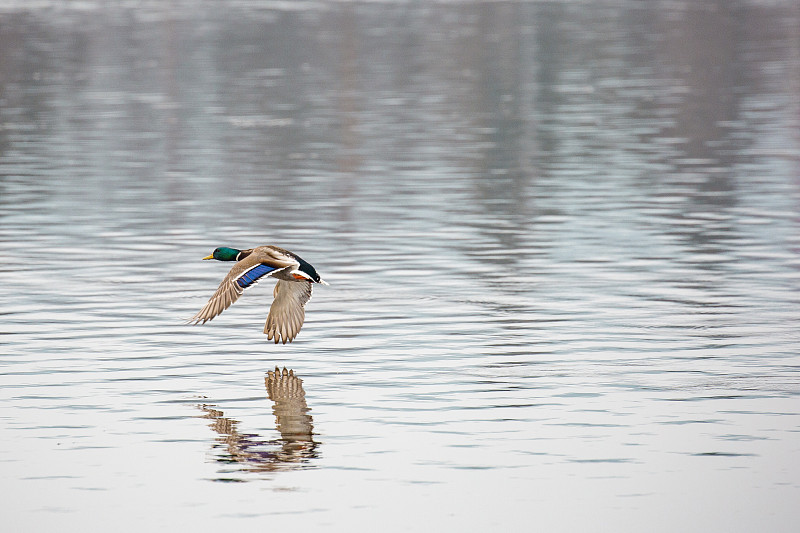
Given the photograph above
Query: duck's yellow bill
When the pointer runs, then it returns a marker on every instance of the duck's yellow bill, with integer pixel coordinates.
(209, 257)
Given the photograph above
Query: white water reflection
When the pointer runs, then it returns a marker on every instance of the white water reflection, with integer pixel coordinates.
(562, 241)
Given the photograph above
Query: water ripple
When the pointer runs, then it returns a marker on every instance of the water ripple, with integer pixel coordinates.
(562, 242)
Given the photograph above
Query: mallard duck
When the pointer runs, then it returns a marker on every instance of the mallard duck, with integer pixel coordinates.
(291, 293)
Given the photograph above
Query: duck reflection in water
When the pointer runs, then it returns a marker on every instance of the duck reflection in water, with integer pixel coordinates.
(295, 447)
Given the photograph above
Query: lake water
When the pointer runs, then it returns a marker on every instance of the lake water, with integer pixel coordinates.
(562, 241)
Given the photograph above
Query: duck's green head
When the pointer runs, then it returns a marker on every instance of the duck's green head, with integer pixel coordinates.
(225, 254)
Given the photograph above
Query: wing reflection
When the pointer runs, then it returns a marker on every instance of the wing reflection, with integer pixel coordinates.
(292, 450)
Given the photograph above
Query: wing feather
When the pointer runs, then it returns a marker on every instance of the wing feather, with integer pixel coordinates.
(225, 295)
(287, 314)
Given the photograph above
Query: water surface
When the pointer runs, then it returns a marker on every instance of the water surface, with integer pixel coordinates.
(563, 242)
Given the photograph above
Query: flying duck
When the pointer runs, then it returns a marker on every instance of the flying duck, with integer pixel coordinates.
(295, 277)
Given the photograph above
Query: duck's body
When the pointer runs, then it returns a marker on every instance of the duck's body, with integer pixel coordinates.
(292, 291)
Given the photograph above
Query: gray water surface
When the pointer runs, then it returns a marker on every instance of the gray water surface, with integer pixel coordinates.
(562, 241)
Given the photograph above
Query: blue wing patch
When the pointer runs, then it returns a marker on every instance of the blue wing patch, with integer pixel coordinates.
(252, 275)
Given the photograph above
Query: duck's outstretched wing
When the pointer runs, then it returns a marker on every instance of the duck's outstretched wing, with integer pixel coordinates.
(244, 274)
(287, 313)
